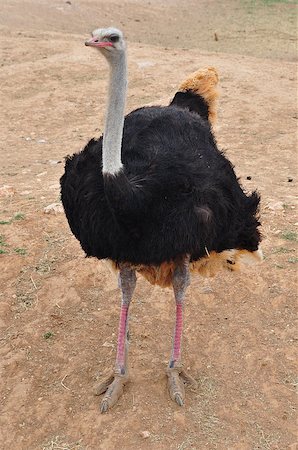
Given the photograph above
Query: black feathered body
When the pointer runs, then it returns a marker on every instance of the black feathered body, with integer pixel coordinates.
(177, 193)
(192, 102)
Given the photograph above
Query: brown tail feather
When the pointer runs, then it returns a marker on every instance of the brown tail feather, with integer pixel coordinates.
(204, 83)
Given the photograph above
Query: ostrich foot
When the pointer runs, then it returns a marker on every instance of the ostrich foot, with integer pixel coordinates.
(177, 379)
(113, 388)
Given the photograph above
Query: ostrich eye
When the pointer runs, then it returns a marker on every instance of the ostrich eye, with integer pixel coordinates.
(114, 38)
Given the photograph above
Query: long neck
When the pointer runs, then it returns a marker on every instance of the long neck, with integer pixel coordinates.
(112, 138)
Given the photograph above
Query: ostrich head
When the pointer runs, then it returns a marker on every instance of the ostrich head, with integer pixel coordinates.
(109, 41)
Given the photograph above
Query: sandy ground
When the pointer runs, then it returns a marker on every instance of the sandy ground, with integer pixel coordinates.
(59, 311)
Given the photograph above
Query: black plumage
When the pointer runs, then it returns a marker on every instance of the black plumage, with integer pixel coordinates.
(177, 193)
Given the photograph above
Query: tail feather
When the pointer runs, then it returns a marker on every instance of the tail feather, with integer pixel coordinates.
(199, 93)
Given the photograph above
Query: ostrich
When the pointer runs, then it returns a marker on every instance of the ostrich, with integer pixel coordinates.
(154, 195)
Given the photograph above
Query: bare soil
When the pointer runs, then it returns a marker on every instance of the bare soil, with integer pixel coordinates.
(59, 311)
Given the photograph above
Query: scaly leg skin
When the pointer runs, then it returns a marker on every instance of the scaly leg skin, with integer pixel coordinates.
(177, 377)
(113, 385)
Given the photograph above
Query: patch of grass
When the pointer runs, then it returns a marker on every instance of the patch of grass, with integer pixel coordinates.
(282, 250)
(203, 410)
(44, 266)
(3, 245)
(2, 240)
(25, 289)
(185, 445)
(58, 443)
(255, 3)
(292, 380)
(289, 235)
(279, 266)
(19, 216)
(293, 260)
(289, 2)
(48, 335)
(20, 251)
(266, 441)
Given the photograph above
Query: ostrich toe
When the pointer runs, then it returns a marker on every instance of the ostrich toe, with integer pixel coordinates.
(177, 379)
(113, 388)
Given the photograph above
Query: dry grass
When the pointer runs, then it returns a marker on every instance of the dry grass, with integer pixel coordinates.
(59, 443)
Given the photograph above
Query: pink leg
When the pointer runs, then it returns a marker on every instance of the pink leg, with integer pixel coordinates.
(120, 358)
(177, 377)
(127, 278)
(180, 283)
(176, 355)
(113, 386)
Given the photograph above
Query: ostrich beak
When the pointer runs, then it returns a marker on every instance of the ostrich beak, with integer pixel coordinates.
(95, 42)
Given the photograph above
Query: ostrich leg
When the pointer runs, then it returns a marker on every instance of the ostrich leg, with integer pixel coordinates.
(113, 386)
(177, 377)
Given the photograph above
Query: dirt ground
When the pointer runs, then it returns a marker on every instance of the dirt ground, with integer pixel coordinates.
(59, 311)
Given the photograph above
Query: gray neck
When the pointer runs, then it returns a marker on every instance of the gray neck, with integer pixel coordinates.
(112, 138)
